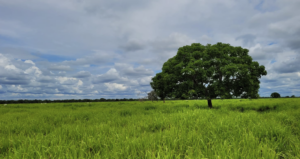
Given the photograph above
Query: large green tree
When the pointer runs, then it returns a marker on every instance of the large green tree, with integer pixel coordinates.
(210, 71)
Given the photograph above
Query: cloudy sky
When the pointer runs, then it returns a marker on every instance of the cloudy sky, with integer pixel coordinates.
(70, 49)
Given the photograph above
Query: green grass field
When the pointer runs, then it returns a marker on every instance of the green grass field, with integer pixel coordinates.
(261, 128)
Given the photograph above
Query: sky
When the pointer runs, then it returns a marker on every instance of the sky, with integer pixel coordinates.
(91, 49)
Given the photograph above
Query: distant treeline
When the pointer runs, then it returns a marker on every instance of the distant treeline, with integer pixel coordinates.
(86, 100)
(62, 100)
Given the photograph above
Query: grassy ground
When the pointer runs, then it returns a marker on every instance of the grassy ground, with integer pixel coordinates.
(263, 128)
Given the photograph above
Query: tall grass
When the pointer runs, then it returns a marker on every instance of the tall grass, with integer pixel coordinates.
(263, 128)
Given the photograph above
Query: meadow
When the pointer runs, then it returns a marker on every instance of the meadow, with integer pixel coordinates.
(258, 128)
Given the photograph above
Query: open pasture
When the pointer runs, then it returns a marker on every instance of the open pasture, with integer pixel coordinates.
(258, 128)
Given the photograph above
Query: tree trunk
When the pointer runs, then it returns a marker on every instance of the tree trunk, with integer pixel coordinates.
(209, 103)
(164, 100)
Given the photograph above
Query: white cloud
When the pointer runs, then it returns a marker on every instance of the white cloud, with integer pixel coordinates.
(16, 88)
(33, 71)
(12, 68)
(145, 80)
(67, 80)
(128, 70)
(3, 61)
(112, 71)
(79, 83)
(115, 87)
(96, 92)
(61, 95)
(29, 61)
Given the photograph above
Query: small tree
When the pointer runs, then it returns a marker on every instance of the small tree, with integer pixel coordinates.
(275, 95)
(293, 96)
(152, 95)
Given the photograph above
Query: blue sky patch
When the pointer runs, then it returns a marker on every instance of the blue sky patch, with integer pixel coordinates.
(273, 61)
(272, 43)
(157, 71)
(92, 65)
(258, 6)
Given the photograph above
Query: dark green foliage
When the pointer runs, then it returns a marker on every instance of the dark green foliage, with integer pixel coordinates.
(275, 95)
(293, 96)
(209, 72)
(160, 86)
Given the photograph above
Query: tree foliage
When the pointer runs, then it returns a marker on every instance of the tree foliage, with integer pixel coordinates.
(152, 95)
(275, 95)
(160, 84)
(209, 71)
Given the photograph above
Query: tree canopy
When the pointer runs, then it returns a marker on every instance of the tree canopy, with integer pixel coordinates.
(209, 72)
(275, 95)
